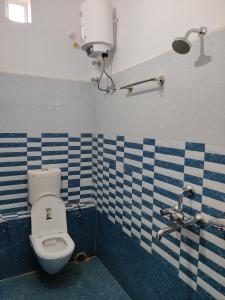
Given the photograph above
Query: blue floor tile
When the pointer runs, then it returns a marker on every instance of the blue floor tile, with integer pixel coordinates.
(89, 280)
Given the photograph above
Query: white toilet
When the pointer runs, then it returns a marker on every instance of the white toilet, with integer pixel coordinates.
(49, 238)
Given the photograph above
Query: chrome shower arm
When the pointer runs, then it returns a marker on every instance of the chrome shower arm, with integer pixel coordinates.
(201, 31)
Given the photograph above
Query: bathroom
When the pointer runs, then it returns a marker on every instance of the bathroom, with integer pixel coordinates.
(112, 149)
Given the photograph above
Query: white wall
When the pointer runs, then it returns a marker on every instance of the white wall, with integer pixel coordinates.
(34, 105)
(146, 28)
(43, 47)
(190, 107)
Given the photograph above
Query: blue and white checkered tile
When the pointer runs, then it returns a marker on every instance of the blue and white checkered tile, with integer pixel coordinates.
(168, 182)
(133, 155)
(132, 195)
(193, 174)
(147, 193)
(150, 175)
(94, 167)
(211, 263)
(100, 139)
(105, 181)
(55, 154)
(109, 174)
(33, 152)
(13, 172)
(211, 267)
(86, 167)
(131, 180)
(189, 255)
(127, 203)
(190, 237)
(119, 179)
(74, 169)
(213, 203)
(136, 211)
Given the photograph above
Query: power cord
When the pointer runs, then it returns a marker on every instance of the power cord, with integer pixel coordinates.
(112, 87)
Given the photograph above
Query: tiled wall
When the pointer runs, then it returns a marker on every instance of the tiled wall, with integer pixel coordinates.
(20, 152)
(143, 276)
(133, 178)
(16, 255)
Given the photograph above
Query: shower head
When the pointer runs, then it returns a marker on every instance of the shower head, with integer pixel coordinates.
(182, 45)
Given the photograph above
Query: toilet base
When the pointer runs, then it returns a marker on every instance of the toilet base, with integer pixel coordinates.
(53, 250)
(53, 266)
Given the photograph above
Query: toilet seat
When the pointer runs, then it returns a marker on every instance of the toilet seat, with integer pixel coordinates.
(53, 245)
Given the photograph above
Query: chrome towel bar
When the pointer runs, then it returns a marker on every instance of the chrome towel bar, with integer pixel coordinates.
(159, 80)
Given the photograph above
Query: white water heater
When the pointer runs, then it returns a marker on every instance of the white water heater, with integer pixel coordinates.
(96, 27)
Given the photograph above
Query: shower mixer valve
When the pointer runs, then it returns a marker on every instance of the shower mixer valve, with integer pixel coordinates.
(177, 216)
(175, 213)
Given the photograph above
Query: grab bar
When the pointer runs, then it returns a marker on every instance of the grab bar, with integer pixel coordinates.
(160, 80)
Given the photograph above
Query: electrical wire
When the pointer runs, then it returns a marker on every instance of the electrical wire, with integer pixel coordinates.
(100, 78)
(113, 86)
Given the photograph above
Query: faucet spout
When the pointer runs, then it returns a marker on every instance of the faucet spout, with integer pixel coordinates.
(165, 231)
(198, 220)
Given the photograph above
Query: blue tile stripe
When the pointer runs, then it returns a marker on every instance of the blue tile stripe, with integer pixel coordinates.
(13, 169)
(149, 175)
(131, 180)
(20, 152)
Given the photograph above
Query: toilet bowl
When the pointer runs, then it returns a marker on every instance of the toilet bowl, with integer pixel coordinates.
(53, 250)
(50, 241)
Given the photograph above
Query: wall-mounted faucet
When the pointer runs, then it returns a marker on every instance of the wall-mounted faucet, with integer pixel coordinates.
(176, 213)
(71, 203)
(177, 216)
(178, 225)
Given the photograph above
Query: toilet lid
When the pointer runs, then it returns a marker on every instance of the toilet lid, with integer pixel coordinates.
(48, 215)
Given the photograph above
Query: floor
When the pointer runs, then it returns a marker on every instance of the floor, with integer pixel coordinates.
(89, 280)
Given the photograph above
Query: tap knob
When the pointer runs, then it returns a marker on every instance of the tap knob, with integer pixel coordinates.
(164, 211)
(177, 216)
